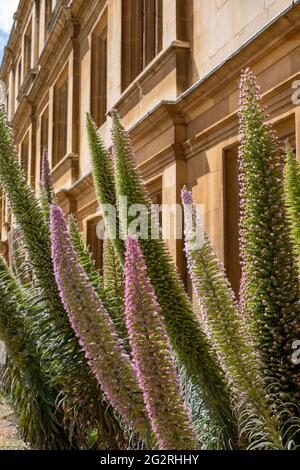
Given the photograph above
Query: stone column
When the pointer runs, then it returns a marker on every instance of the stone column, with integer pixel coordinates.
(35, 33)
(114, 28)
(174, 177)
(169, 22)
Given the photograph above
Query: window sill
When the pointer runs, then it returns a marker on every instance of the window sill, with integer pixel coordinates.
(27, 82)
(68, 167)
(176, 47)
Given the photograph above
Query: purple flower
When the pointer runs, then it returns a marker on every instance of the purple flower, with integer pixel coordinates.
(46, 186)
(270, 291)
(94, 328)
(152, 356)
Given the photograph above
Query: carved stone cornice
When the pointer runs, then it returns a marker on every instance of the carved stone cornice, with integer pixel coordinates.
(64, 27)
(63, 17)
(69, 164)
(14, 38)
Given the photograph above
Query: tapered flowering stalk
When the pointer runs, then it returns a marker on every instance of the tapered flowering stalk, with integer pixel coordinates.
(94, 328)
(40, 420)
(292, 196)
(229, 333)
(110, 286)
(28, 216)
(184, 330)
(104, 183)
(114, 285)
(151, 352)
(270, 278)
(78, 388)
(47, 195)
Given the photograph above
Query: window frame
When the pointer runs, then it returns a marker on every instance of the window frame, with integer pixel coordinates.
(60, 117)
(98, 90)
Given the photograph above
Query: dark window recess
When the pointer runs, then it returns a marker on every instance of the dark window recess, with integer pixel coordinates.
(27, 50)
(156, 198)
(19, 74)
(141, 36)
(60, 120)
(44, 130)
(99, 77)
(94, 243)
(25, 154)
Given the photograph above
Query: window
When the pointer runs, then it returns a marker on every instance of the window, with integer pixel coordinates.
(99, 76)
(25, 154)
(44, 129)
(94, 243)
(27, 49)
(60, 118)
(141, 36)
(48, 12)
(19, 73)
(155, 194)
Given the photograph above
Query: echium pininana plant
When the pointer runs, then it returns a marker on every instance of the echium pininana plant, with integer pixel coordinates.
(229, 334)
(96, 332)
(152, 356)
(28, 216)
(47, 196)
(292, 196)
(104, 183)
(12, 318)
(187, 338)
(40, 419)
(19, 261)
(113, 276)
(110, 285)
(270, 278)
(78, 388)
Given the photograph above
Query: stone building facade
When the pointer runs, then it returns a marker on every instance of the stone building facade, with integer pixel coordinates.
(171, 68)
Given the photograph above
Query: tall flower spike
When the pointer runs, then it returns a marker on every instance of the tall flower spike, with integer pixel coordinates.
(113, 276)
(110, 286)
(104, 183)
(94, 328)
(270, 277)
(186, 336)
(57, 340)
(47, 195)
(229, 334)
(151, 352)
(34, 398)
(292, 196)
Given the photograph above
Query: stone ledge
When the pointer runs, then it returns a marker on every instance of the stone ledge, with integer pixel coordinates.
(27, 82)
(68, 164)
(176, 48)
